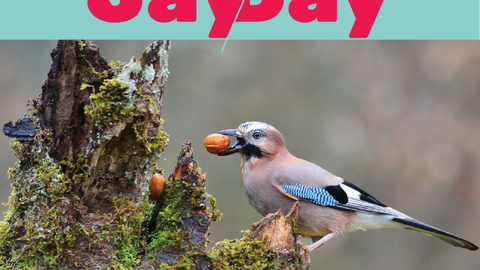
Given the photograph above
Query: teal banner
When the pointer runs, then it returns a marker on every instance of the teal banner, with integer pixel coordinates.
(239, 19)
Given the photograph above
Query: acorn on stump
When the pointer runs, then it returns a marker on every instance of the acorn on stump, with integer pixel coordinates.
(157, 186)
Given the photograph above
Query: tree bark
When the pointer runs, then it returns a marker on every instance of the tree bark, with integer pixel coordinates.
(80, 187)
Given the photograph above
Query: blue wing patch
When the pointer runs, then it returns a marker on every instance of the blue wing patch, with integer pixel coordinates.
(315, 195)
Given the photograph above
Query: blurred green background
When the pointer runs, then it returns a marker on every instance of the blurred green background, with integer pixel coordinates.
(401, 119)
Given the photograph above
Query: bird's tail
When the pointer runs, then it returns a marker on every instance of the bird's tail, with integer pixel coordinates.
(418, 226)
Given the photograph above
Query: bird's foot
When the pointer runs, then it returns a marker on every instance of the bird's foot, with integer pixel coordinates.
(305, 252)
(309, 248)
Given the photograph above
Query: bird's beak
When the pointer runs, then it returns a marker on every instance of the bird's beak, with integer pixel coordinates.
(239, 144)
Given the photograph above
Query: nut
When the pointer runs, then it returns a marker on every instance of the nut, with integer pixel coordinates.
(157, 186)
(217, 143)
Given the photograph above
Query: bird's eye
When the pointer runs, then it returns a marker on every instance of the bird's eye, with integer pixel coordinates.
(257, 135)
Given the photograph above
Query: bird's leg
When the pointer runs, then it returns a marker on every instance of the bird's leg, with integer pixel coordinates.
(315, 245)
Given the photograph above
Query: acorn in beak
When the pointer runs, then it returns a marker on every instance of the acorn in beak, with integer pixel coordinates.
(239, 144)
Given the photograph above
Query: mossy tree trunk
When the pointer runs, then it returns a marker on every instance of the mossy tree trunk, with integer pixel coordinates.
(80, 187)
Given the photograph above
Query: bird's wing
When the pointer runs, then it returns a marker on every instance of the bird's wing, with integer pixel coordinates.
(344, 196)
(303, 180)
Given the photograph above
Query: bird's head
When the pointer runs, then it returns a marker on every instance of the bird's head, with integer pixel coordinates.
(255, 140)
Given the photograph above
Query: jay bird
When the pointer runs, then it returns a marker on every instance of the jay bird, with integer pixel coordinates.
(274, 179)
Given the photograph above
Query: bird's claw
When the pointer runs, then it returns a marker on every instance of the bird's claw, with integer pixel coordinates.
(306, 252)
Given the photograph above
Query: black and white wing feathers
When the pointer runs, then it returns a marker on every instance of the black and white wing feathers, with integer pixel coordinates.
(344, 196)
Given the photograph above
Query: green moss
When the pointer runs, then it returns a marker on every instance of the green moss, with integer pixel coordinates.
(45, 237)
(6, 237)
(75, 170)
(127, 238)
(111, 104)
(169, 230)
(184, 262)
(88, 72)
(245, 253)
(167, 235)
(155, 144)
(37, 204)
(116, 102)
(39, 186)
(213, 213)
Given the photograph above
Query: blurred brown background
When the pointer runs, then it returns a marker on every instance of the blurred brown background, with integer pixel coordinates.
(401, 119)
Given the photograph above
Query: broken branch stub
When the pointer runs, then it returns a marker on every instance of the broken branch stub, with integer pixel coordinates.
(279, 233)
(177, 227)
(278, 229)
